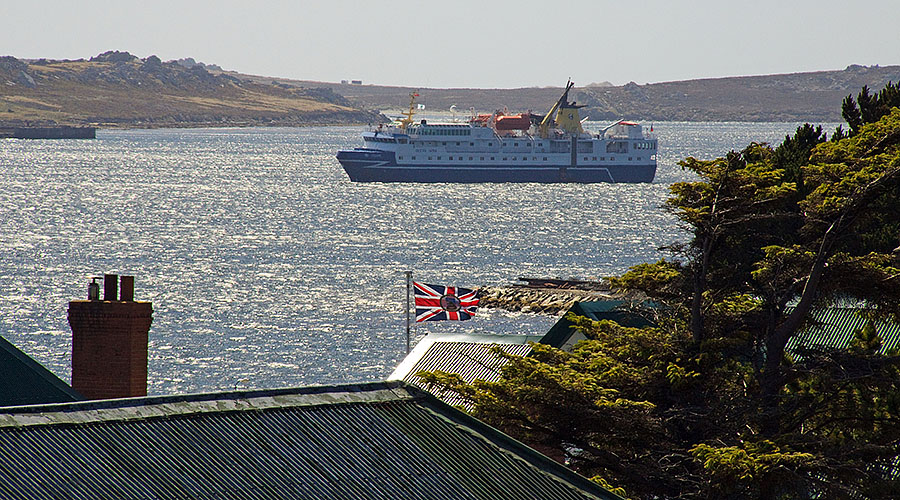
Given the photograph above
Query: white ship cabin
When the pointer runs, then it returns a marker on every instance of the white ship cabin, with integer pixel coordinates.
(423, 143)
(624, 136)
(623, 129)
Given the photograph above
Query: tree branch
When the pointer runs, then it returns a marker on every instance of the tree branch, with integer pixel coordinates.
(855, 204)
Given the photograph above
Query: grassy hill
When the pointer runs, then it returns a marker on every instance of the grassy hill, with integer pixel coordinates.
(116, 89)
(813, 97)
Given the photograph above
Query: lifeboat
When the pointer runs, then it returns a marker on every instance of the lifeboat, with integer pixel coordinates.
(514, 122)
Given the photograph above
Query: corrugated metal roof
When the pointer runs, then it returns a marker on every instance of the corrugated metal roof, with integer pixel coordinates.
(409, 364)
(470, 360)
(471, 356)
(834, 327)
(373, 441)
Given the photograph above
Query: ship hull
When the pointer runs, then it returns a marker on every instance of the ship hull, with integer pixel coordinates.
(366, 165)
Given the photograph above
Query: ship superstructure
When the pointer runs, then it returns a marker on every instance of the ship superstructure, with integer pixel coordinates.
(501, 147)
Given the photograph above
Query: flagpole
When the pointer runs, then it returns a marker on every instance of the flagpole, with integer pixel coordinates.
(408, 281)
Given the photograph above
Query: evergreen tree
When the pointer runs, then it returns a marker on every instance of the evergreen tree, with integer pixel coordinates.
(871, 107)
(888, 98)
(710, 403)
(850, 112)
(838, 134)
(868, 105)
(793, 154)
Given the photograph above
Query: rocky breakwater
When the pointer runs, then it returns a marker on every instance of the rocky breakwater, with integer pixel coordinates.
(545, 296)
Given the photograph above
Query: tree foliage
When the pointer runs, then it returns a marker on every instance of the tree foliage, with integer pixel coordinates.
(710, 403)
(868, 108)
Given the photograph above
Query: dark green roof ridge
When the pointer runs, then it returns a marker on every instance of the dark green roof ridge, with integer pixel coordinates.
(24, 381)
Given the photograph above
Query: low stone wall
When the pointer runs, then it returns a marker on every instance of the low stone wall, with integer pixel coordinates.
(536, 300)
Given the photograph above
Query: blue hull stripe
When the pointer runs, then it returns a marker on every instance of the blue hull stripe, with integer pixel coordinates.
(380, 166)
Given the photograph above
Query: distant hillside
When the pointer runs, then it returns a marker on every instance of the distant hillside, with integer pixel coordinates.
(813, 97)
(117, 89)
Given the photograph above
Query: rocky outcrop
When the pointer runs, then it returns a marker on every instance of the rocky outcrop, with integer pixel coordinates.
(15, 72)
(152, 64)
(25, 79)
(117, 89)
(190, 63)
(114, 56)
(11, 65)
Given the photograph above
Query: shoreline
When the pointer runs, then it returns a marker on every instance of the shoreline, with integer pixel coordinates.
(188, 125)
(104, 126)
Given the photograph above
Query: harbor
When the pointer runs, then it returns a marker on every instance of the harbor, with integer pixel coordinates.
(60, 132)
(255, 241)
(331, 251)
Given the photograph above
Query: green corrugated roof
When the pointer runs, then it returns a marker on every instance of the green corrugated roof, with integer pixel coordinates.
(834, 328)
(371, 441)
(24, 381)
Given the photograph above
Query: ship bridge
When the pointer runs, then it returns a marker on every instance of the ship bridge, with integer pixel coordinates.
(623, 130)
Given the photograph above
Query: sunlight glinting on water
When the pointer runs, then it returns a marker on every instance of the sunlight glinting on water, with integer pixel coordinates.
(268, 268)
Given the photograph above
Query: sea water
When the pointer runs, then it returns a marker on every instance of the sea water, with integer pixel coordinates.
(267, 267)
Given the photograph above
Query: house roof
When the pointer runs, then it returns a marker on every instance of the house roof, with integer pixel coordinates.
(432, 352)
(381, 440)
(472, 357)
(597, 310)
(24, 381)
(834, 327)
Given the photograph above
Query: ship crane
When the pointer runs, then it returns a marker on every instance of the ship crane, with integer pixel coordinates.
(405, 122)
(566, 115)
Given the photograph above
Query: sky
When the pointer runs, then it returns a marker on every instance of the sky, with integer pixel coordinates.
(468, 43)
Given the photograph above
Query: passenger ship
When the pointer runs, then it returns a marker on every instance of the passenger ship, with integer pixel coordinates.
(503, 148)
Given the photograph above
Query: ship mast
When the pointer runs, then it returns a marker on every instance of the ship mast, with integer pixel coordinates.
(570, 121)
(405, 122)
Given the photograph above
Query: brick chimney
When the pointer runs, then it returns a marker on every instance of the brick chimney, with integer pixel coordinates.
(109, 341)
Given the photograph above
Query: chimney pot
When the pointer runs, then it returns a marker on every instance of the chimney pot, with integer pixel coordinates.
(93, 290)
(127, 289)
(110, 286)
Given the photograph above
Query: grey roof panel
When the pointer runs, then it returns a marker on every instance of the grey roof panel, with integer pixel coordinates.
(470, 360)
(373, 441)
(421, 350)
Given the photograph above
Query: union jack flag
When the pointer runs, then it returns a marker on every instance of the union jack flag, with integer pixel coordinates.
(435, 302)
